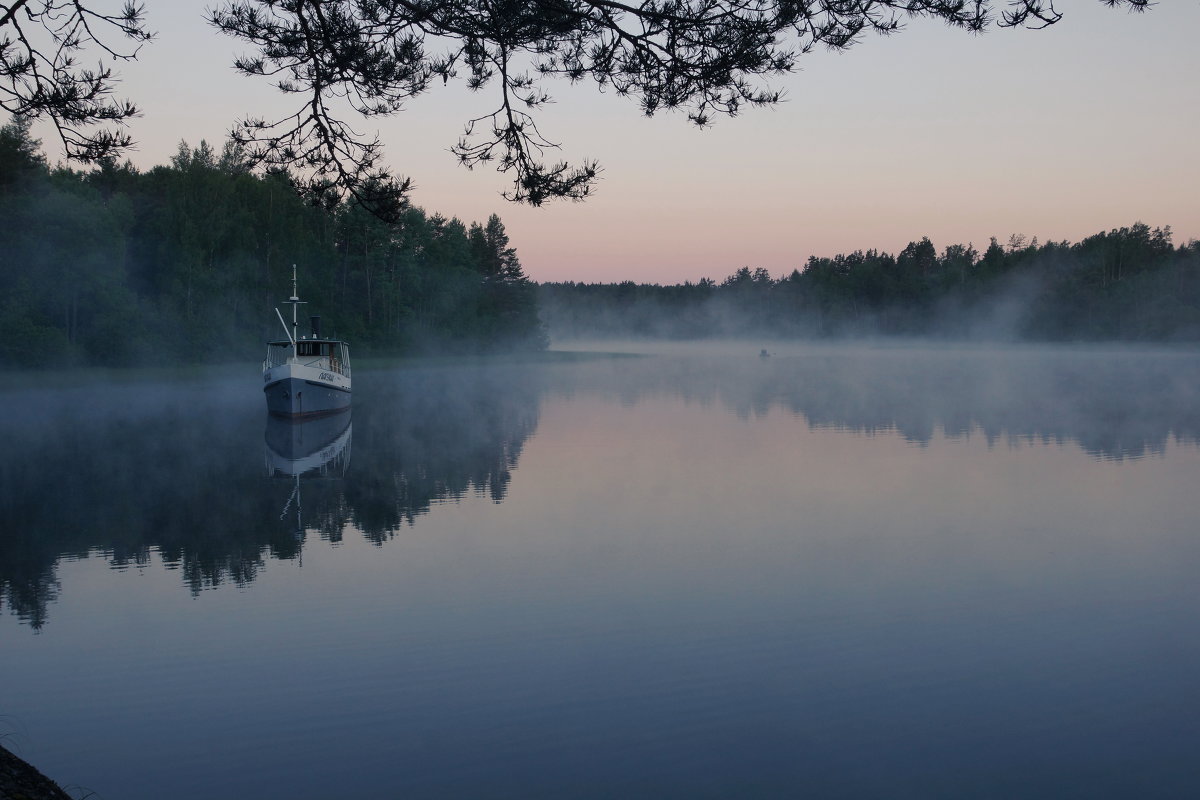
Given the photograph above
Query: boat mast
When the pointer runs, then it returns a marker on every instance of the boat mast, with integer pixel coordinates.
(295, 301)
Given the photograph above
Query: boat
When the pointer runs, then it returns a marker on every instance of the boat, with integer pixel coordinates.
(305, 376)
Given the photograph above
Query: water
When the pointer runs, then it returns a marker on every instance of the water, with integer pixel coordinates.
(834, 572)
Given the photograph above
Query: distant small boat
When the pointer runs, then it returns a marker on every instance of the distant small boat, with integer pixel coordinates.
(306, 376)
(763, 353)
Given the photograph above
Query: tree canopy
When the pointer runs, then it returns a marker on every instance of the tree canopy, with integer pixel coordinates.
(348, 59)
(1126, 284)
(116, 267)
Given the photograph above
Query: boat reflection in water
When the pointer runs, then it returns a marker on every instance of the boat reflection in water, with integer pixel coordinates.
(295, 448)
(315, 448)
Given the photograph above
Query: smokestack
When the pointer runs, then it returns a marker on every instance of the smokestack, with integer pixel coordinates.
(316, 327)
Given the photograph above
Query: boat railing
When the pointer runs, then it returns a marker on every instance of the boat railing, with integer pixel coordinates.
(278, 356)
(320, 362)
(326, 363)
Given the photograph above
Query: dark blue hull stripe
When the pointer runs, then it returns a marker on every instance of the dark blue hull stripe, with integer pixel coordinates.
(272, 385)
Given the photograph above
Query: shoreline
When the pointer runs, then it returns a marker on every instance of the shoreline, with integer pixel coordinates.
(20, 780)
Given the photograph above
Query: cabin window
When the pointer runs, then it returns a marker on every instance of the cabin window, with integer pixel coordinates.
(312, 348)
(278, 354)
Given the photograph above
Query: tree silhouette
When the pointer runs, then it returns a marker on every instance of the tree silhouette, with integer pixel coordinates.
(40, 76)
(705, 57)
(350, 58)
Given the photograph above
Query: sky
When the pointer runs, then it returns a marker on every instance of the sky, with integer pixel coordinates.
(1085, 126)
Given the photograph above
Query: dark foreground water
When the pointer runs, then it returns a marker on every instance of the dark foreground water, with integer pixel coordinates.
(861, 573)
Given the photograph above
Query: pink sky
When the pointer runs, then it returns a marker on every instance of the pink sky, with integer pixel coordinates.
(1088, 125)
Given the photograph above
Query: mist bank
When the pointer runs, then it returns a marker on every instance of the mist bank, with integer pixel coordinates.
(144, 481)
(1127, 284)
(185, 263)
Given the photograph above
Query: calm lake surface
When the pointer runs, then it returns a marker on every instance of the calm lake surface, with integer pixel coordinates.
(835, 572)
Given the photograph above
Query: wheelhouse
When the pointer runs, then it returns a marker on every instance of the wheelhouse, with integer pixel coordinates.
(326, 354)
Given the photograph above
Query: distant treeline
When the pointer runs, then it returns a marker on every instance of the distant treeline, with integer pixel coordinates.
(1128, 284)
(185, 262)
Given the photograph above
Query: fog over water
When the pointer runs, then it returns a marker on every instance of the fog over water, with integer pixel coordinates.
(842, 570)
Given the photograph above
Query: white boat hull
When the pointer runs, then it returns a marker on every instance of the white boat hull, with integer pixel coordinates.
(299, 391)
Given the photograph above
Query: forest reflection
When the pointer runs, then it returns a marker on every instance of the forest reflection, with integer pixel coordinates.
(125, 472)
(1114, 404)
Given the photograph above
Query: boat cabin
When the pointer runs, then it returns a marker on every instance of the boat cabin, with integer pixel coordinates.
(327, 354)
